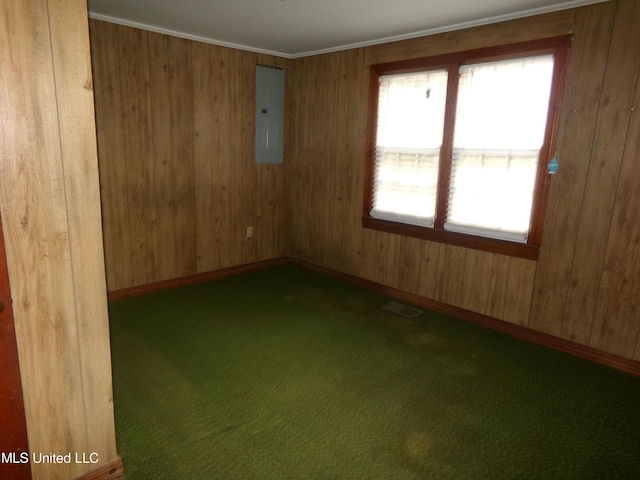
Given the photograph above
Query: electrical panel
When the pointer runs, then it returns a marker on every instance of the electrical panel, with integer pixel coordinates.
(269, 114)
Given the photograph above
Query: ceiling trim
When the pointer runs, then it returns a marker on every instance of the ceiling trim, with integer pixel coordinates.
(407, 36)
(187, 36)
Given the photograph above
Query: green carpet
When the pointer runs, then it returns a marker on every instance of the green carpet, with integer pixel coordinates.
(285, 374)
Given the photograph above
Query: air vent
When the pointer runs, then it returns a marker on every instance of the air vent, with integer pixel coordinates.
(401, 309)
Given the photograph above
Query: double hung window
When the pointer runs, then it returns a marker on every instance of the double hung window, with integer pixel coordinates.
(459, 145)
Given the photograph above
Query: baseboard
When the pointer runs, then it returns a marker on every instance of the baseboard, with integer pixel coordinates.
(578, 350)
(111, 471)
(192, 279)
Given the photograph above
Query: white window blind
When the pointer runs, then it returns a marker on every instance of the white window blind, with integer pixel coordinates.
(499, 130)
(409, 135)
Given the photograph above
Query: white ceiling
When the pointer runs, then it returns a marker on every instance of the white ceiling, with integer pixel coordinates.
(297, 28)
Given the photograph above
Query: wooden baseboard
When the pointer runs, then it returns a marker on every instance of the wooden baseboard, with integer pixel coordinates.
(111, 471)
(191, 279)
(578, 350)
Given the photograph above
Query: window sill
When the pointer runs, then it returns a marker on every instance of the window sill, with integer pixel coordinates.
(502, 247)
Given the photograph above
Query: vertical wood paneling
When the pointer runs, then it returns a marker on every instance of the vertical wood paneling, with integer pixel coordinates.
(540, 26)
(133, 60)
(203, 149)
(329, 97)
(176, 148)
(616, 326)
(349, 197)
(332, 172)
(451, 262)
(471, 280)
(428, 282)
(242, 179)
(163, 149)
(248, 183)
(310, 207)
(182, 142)
(37, 236)
(49, 196)
(409, 265)
(496, 272)
(518, 295)
(305, 180)
(302, 180)
(236, 215)
(76, 118)
(387, 249)
(607, 152)
(112, 167)
(222, 162)
(332, 122)
(553, 295)
(587, 63)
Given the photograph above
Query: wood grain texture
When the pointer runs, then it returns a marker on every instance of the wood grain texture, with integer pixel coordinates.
(554, 295)
(111, 471)
(517, 302)
(49, 197)
(582, 351)
(472, 280)
(203, 148)
(181, 106)
(33, 209)
(139, 167)
(110, 137)
(221, 161)
(409, 264)
(451, 271)
(330, 110)
(163, 153)
(76, 118)
(428, 280)
(310, 207)
(587, 64)
(617, 306)
(530, 28)
(179, 181)
(605, 168)
(338, 185)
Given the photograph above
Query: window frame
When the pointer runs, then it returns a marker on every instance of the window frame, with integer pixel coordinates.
(559, 47)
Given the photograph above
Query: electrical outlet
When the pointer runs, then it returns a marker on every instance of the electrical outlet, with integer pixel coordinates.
(249, 232)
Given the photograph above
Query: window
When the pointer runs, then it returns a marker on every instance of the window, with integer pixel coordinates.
(459, 145)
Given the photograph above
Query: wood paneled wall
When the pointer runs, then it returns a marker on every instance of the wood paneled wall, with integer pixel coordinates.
(179, 187)
(586, 285)
(175, 122)
(50, 203)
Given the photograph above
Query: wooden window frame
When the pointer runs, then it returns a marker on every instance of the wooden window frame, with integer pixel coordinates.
(559, 47)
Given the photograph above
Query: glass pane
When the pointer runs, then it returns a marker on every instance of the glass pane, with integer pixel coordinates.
(409, 136)
(492, 190)
(406, 182)
(503, 105)
(500, 125)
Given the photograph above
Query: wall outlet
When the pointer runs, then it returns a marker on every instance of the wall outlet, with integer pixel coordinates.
(249, 232)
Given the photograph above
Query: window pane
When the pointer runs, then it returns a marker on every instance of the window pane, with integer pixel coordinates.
(406, 185)
(492, 193)
(408, 140)
(503, 105)
(500, 124)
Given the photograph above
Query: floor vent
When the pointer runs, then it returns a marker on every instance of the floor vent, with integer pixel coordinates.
(401, 309)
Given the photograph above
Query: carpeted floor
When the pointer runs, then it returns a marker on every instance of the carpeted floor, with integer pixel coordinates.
(285, 374)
